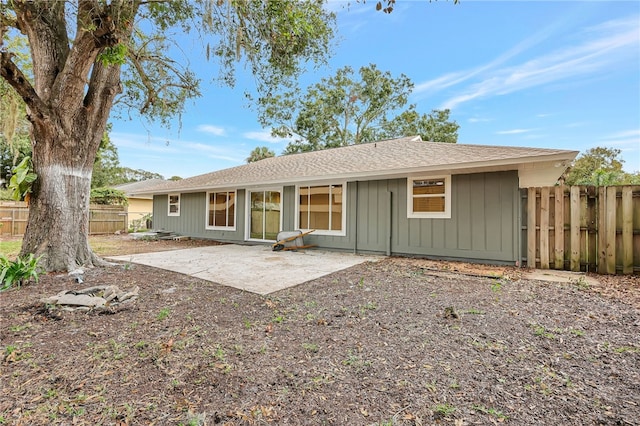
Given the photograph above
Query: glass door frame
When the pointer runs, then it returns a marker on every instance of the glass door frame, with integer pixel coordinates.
(248, 192)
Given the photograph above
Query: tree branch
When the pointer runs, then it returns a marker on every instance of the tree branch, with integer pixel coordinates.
(14, 76)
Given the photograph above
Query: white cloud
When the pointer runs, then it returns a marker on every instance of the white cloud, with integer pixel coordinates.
(609, 43)
(264, 136)
(214, 130)
(144, 143)
(212, 151)
(514, 131)
(458, 77)
(478, 120)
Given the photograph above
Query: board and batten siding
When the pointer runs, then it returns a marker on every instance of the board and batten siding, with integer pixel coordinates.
(193, 216)
(483, 224)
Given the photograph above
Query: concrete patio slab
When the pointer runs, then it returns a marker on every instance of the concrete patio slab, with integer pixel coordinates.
(257, 269)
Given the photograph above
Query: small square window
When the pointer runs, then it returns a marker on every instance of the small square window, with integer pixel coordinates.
(174, 205)
(429, 197)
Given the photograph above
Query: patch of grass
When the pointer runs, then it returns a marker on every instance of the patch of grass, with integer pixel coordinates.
(474, 312)
(490, 411)
(311, 347)
(626, 349)
(163, 314)
(355, 361)
(541, 331)
(444, 410)
(581, 283)
(19, 328)
(576, 332)
(431, 386)
(369, 306)
(11, 249)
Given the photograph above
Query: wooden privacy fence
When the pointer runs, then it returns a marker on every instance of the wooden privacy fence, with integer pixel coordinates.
(102, 219)
(582, 228)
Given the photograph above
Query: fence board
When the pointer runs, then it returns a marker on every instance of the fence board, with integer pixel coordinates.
(575, 229)
(627, 230)
(558, 227)
(602, 234)
(531, 228)
(544, 228)
(610, 230)
(102, 219)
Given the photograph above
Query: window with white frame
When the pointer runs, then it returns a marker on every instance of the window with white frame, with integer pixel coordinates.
(221, 210)
(174, 205)
(429, 197)
(321, 207)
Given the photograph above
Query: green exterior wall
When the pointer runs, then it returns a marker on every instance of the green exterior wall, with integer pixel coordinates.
(483, 224)
(193, 215)
(483, 227)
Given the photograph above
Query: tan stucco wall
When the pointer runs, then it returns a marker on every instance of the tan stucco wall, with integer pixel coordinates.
(138, 207)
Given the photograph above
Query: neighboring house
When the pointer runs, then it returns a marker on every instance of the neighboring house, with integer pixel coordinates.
(140, 206)
(401, 196)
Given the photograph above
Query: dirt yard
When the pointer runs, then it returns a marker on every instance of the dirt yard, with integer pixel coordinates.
(398, 342)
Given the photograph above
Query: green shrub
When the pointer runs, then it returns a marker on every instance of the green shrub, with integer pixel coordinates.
(109, 196)
(19, 272)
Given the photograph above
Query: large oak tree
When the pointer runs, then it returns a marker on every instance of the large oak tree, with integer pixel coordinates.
(87, 55)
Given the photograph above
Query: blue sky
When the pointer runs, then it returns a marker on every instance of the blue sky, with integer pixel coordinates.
(550, 74)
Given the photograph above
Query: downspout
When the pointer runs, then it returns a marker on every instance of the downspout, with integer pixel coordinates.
(389, 222)
(355, 223)
(519, 226)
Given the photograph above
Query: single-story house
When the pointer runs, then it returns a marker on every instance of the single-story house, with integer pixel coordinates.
(397, 197)
(140, 205)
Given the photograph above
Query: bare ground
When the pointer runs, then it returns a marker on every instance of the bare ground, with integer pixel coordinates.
(398, 342)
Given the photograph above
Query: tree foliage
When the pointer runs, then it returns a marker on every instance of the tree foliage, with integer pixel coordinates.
(14, 126)
(341, 110)
(600, 166)
(106, 166)
(109, 196)
(260, 153)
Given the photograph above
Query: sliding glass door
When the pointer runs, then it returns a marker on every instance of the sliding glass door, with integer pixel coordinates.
(264, 223)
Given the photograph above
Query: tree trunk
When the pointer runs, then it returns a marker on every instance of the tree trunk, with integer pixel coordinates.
(58, 222)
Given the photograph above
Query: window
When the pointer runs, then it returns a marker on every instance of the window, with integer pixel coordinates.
(429, 197)
(221, 210)
(174, 205)
(322, 208)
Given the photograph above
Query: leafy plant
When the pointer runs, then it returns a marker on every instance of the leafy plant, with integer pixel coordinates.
(109, 196)
(22, 180)
(19, 272)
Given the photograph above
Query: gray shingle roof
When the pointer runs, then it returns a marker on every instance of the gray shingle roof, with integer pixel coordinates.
(133, 187)
(387, 158)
